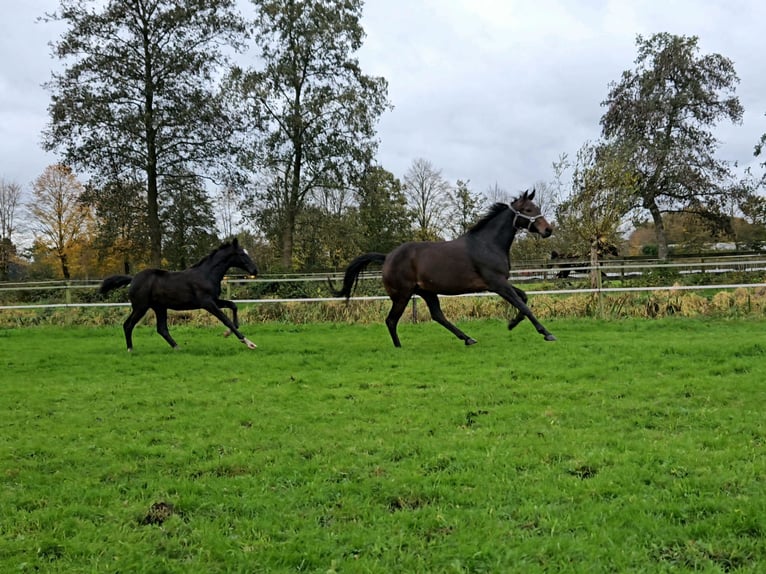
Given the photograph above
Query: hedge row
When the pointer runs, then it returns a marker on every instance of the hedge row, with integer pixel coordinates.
(741, 302)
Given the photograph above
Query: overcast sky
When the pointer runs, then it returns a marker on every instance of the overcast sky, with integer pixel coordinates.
(490, 91)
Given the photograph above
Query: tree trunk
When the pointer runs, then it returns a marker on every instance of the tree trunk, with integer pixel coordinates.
(64, 265)
(5, 258)
(595, 271)
(659, 231)
(293, 205)
(150, 135)
(288, 233)
(153, 219)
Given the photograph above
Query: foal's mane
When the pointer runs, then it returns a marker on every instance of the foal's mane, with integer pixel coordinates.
(493, 212)
(213, 252)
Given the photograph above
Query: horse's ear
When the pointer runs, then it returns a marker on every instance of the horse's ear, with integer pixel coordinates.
(531, 196)
(235, 242)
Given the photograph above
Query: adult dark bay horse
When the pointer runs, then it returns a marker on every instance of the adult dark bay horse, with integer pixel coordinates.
(477, 261)
(198, 287)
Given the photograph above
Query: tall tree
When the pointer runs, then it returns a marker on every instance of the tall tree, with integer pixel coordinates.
(189, 219)
(10, 197)
(58, 215)
(427, 193)
(137, 95)
(383, 214)
(226, 203)
(121, 229)
(750, 230)
(464, 208)
(662, 113)
(759, 150)
(314, 112)
(602, 193)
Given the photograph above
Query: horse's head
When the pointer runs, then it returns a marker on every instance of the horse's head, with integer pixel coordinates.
(238, 257)
(527, 215)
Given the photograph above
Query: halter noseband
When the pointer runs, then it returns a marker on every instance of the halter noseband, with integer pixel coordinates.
(518, 214)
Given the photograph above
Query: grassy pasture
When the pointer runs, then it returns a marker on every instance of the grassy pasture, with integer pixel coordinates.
(633, 445)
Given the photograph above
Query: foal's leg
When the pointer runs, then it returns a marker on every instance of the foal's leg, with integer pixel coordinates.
(214, 310)
(135, 316)
(508, 292)
(519, 315)
(434, 307)
(162, 325)
(397, 308)
(225, 303)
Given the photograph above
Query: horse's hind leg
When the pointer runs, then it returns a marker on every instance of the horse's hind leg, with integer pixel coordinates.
(434, 307)
(397, 308)
(519, 315)
(162, 325)
(135, 316)
(224, 303)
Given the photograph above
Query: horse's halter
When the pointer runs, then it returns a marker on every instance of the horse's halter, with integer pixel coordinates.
(518, 214)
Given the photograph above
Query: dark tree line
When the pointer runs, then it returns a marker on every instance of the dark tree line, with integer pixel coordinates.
(137, 100)
(156, 104)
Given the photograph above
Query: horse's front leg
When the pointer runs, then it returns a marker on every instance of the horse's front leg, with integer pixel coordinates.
(214, 310)
(519, 315)
(225, 303)
(509, 293)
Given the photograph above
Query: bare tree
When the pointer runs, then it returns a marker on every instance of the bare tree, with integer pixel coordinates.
(427, 193)
(58, 215)
(10, 196)
(545, 196)
(496, 194)
(227, 210)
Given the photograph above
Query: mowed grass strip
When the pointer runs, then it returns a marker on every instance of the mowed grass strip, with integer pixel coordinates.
(624, 446)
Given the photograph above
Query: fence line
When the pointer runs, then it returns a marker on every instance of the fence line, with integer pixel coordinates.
(722, 265)
(620, 269)
(384, 298)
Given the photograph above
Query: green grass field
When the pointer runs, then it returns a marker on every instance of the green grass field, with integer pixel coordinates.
(632, 445)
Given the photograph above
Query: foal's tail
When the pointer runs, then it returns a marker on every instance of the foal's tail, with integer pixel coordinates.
(114, 282)
(353, 270)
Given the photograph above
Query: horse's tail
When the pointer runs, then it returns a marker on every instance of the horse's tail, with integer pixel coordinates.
(351, 276)
(114, 282)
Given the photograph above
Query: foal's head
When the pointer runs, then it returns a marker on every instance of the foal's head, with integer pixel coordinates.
(527, 215)
(238, 257)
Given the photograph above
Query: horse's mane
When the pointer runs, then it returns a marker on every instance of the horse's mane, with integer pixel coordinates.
(493, 212)
(213, 252)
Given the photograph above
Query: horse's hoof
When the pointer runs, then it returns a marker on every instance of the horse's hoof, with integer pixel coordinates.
(469, 341)
(550, 337)
(227, 332)
(249, 343)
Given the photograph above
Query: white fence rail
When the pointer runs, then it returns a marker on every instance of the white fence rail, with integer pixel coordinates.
(722, 287)
(615, 270)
